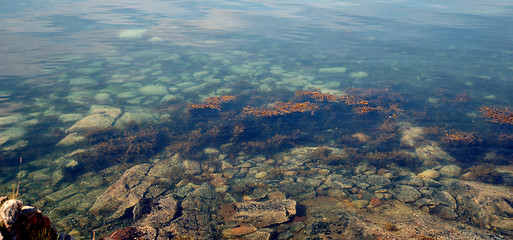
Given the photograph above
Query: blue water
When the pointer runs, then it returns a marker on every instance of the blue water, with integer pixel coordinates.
(446, 59)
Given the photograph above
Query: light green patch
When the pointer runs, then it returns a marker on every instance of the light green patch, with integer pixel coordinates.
(17, 145)
(333, 70)
(88, 71)
(169, 57)
(14, 132)
(152, 90)
(80, 97)
(200, 74)
(70, 117)
(82, 81)
(241, 70)
(102, 97)
(171, 99)
(131, 33)
(358, 74)
(156, 39)
(11, 119)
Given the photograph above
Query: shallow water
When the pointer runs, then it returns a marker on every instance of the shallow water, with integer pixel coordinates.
(390, 67)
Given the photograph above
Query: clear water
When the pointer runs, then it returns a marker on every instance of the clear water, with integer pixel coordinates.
(446, 59)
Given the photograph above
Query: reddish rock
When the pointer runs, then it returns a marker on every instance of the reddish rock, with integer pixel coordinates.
(375, 202)
(218, 181)
(133, 233)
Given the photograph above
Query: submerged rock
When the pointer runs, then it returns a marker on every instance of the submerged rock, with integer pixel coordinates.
(161, 211)
(262, 214)
(431, 152)
(100, 118)
(133, 233)
(196, 221)
(485, 205)
(406, 193)
(124, 193)
(328, 218)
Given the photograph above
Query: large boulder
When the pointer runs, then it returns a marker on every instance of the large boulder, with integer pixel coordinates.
(141, 181)
(124, 193)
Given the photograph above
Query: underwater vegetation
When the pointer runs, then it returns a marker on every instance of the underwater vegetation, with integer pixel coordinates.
(259, 123)
(281, 108)
(213, 102)
(113, 145)
(460, 137)
(497, 115)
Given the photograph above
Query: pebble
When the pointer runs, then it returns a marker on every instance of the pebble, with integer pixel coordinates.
(337, 193)
(324, 172)
(375, 202)
(451, 170)
(261, 175)
(360, 203)
(444, 212)
(406, 193)
(429, 173)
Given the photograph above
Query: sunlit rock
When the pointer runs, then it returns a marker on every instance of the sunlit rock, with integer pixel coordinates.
(70, 117)
(431, 152)
(100, 118)
(451, 170)
(136, 116)
(411, 136)
(429, 173)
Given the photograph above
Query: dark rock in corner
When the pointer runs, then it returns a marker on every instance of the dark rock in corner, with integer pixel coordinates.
(19, 222)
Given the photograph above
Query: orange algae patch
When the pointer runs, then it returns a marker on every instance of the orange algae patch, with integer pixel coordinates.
(460, 137)
(496, 115)
(281, 108)
(212, 102)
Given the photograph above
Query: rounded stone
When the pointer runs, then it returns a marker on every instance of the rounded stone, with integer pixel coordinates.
(451, 170)
(261, 175)
(406, 193)
(429, 173)
(360, 203)
(152, 90)
(337, 193)
(102, 97)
